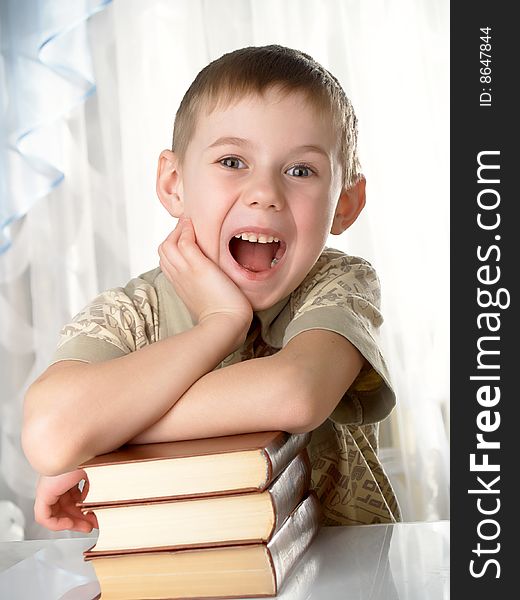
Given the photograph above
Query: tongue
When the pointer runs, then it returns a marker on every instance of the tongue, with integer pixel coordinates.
(253, 256)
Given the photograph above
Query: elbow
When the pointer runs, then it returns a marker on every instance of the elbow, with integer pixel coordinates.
(303, 406)
(304, 416)
(44, 455)
(45, 443)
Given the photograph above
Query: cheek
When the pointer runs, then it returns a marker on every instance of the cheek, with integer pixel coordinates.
(314, 225)
(206, 234)
(204, 209)
(205, 196)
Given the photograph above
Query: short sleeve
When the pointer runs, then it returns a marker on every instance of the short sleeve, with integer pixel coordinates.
(115, 323)
(342, 294)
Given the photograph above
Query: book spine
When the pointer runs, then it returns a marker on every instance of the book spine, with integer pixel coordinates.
(290, 487)
(280, 453)
(291, 542)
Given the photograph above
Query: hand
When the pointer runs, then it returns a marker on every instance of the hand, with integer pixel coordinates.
(55, 505)
(204, 288)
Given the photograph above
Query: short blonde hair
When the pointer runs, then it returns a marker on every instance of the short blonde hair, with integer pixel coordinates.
(255, 70)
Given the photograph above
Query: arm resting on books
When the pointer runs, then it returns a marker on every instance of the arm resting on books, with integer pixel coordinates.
(294, 390)
(76, 410)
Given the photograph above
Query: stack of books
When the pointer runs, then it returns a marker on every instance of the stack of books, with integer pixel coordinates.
(213, 518)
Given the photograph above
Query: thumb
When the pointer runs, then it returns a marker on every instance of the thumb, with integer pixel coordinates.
(187, 233)
(187, 225)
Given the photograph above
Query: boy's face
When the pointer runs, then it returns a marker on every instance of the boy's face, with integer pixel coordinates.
(265, 168)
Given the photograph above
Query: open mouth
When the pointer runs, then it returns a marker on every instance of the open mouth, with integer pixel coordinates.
(256, 252)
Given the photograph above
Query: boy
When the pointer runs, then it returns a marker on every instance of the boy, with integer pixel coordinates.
(250, 323)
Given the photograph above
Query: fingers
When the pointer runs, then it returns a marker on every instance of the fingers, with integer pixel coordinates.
(55, 504)
(187, 243)
(66, 508)
(167, 247)
(201, 284)
(65, 522)
(179, 252)
(63, 514)
(92, 519)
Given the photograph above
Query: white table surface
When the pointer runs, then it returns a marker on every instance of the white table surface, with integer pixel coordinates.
(406, 561)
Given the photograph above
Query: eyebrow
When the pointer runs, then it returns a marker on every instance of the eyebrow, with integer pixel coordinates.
(312, 148)
(229, 141)
(236, 141)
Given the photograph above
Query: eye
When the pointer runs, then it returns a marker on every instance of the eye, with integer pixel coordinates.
(300, 171)
(232, 162)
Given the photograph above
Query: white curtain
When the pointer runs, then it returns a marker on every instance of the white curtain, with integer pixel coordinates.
(101, 223)
(62, 213)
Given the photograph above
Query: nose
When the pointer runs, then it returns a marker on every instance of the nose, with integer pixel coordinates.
(264, 191)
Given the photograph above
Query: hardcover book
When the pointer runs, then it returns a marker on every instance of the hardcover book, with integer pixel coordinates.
(222, 465)
(203, 521)
(217, 572)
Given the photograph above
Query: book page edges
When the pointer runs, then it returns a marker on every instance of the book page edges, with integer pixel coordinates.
(192, 477)
(280, 448)
(285, 550)
(270, 446)
(285, 493)
(235, 572)
(239, 519)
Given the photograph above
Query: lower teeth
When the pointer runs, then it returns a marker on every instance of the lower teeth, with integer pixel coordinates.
(273, 262)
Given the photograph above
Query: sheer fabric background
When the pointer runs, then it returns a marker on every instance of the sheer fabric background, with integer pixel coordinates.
(100, 223)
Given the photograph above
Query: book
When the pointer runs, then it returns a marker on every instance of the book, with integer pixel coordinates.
(203, 521)
(218, 572)
(222, 465)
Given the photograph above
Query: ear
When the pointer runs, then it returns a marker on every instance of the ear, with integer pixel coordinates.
(351, 202)
(168, 183)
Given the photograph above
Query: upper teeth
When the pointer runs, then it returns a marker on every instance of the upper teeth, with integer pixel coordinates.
(257, 237)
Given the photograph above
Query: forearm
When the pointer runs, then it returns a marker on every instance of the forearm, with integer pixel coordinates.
(294, 390)
(249, 396)
(81, 410)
